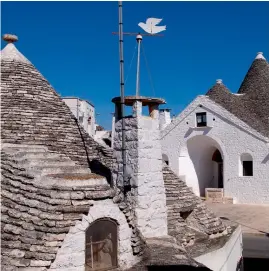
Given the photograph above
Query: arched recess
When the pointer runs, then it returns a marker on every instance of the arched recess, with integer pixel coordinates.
(101, 245)
(203, 164)
(246, 165)
(71, 255)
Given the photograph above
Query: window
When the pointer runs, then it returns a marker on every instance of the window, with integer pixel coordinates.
(101, 245)
(201, 119)
(186, 214)
(246, 165)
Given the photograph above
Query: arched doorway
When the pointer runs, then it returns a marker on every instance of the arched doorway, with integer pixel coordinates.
(202, 164)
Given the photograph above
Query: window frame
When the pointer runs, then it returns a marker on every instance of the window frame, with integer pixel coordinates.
(246, 165)
(203, 122)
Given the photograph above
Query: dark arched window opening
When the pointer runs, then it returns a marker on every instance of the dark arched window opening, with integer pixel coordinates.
(101, 245)
(216, 157)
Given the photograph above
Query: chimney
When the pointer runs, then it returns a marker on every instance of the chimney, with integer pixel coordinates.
(144, 179)
(164, 117)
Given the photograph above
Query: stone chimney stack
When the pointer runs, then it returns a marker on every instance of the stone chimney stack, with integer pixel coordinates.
(164, 117)
(144, 164)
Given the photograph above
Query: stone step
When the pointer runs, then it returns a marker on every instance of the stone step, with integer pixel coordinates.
(52, 162)
(38, 155)
(45, 170)
(15, 148)
(23, 146)
(75, 179)
(16, 151)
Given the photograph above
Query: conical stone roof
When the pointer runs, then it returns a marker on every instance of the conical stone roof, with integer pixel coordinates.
(251, 105)
(218, 89)
(221, 94)
(256, 80)
(255, 87)
(33, 113)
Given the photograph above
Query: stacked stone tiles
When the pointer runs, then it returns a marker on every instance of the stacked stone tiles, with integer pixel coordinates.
(186, 210)
(33, 113)
(37, 215)
(166, 253)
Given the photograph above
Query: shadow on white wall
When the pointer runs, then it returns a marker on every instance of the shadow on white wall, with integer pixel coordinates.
(201, 161)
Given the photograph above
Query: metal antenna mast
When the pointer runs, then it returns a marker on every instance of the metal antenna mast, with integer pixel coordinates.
(122, 90)
(151, 28)
(139, 40)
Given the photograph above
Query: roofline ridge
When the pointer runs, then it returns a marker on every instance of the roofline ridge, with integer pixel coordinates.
(201, 99)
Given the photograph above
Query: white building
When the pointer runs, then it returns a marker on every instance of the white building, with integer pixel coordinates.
(221, 139)
(84, 111)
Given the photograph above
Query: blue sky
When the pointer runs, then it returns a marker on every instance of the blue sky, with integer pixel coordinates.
(72, 46)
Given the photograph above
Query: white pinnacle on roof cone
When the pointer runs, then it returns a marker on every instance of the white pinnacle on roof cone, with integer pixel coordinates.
(10, 52)
(219, 81)
(260, 55)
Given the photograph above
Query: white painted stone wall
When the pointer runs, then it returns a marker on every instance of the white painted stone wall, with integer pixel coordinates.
(232, 137)
(144, 168)
(164, 118)
(71, 255)
(82, 110)
(100, 136)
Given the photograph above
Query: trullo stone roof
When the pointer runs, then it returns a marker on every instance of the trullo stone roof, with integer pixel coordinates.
(251, 103)
(32, 112)
(47, 163)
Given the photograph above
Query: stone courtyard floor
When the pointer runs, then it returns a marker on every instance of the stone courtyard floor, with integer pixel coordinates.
(253, 218)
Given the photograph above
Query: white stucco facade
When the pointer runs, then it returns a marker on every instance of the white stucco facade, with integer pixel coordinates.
(84, 112)
(164, 118)
(190, 150)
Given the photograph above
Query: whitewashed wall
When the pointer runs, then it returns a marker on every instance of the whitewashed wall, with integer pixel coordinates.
(81, 108)
(232, 137)
(164, 118)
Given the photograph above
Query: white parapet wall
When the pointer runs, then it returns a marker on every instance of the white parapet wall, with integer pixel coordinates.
(227, 257)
